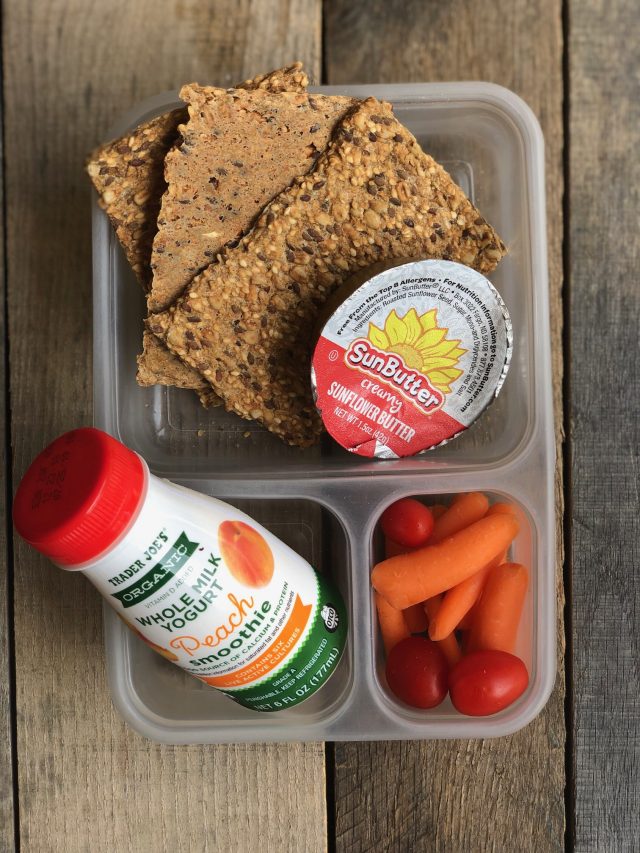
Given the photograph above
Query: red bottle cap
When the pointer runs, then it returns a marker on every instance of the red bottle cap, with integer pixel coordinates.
(79, 496)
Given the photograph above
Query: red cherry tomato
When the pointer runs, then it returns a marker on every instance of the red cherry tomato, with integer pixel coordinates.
(407, 522)
(417, 672)
(486, 682)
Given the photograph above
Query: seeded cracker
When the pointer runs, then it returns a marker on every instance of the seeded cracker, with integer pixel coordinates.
(246, 323)
(291, 78)
(174, 371)
(239, 149)
(128, 174)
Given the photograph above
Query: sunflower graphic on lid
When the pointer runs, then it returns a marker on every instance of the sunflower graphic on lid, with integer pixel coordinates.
(421, 344)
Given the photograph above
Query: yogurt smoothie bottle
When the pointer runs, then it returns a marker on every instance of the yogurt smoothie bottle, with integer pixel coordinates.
(198, 580)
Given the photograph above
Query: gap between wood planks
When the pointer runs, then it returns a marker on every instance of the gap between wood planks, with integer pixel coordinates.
(10, 796)
(569, 789)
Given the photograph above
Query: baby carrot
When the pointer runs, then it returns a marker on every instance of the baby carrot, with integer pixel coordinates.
(409, 578)
(459, 600)
(392, 549)
(497, 616)
(465, 510)
(415, 619)
(392, 625)
(449, 645)
(437, 510)
(450, 649)
(456, 604)
(431, 606)
(466, 622)
(501, 509)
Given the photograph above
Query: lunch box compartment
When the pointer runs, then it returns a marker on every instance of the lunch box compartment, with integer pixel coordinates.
(325, 502)
(317, 535)
(522, 550)
(178, 437)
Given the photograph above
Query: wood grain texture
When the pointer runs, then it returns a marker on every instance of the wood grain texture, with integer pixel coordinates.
(85, 781)
(6, 746)
(604, 53)
(509, 793)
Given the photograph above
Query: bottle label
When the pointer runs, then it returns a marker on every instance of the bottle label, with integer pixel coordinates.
(237, 609)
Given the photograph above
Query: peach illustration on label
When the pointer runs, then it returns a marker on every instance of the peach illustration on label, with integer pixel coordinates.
(246, 553)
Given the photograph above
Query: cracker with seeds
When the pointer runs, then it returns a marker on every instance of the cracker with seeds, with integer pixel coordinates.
(290, 78)
(128, 172)
(128, 175)
(174, 371)
(246, 323)
(158, 366)
(239, 149)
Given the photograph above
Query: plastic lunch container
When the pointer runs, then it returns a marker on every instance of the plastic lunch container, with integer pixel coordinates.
(325, 502)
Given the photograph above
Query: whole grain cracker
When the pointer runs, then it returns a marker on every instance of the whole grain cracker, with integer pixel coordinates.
(290, 78)
(277, 137)
(246, 322)
(239, 149)
(128, 172)
(128, 175)
(174, 371)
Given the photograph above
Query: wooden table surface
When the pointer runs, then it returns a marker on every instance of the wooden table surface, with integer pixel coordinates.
(73, 776)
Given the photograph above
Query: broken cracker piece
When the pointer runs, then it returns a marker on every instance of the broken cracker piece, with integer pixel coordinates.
(128, 172)
(246, 323)
(239, 149)
(157, 358)
(128, 175)
(263, 142)
(290, 78)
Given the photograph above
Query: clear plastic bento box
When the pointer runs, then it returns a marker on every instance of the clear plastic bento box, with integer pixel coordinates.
(325, 502)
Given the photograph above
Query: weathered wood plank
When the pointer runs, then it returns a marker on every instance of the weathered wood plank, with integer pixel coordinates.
(85, 781)
(477, 795)
(6, 709)
(604, 54)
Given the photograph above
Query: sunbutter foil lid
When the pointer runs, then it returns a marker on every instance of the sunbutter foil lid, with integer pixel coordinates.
(411, 358)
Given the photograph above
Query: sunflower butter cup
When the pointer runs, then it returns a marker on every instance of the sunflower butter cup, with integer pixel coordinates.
(411, 356)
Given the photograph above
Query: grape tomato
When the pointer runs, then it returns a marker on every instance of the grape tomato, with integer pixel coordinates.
(486, 682)
(407, 522)
(417, 672)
